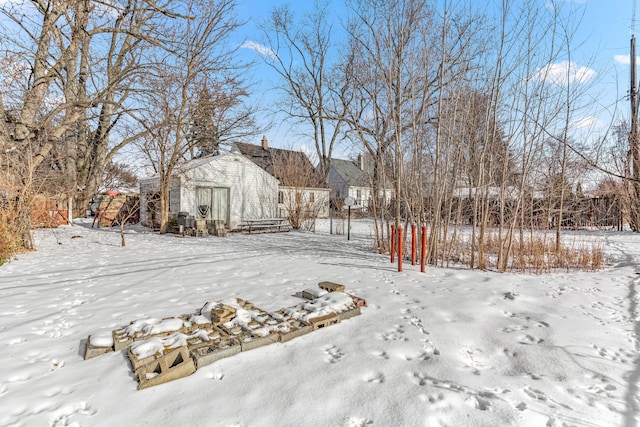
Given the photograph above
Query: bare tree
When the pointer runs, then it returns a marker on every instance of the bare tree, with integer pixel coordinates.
(78, 64)
(301, 193)
(201, 55)
(403, 58)
(300, 52)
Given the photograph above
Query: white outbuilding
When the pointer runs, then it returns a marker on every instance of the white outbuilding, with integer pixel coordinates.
(228, 187)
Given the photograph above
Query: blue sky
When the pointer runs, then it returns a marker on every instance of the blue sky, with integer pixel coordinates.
(602, 52)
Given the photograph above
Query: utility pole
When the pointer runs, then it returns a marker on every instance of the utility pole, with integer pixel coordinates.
(634, 208)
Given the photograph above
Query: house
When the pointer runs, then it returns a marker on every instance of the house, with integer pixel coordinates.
(301, 192)
(228, 188)
(351, 179)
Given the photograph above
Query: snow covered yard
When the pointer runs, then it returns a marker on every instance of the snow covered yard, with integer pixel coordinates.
(449, 347)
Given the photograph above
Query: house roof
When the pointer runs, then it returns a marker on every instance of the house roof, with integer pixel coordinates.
(286, 165)
(350, 173)
(193, 164)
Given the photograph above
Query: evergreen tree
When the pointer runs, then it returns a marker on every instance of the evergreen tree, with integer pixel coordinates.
(204, 135)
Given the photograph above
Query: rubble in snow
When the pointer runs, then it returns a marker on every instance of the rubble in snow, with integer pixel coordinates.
(161, 350)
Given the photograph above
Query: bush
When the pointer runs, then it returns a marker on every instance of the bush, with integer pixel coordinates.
(15, 232)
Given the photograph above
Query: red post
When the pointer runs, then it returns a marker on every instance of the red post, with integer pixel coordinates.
(400, 249)
(393, 243)
(423, 253)
(413, 244)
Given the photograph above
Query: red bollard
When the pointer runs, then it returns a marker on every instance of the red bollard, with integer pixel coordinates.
(400, 249)
(393, 243)
(423, 253)
(413, 244)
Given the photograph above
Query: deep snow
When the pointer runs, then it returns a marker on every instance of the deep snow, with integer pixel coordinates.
(449, 347)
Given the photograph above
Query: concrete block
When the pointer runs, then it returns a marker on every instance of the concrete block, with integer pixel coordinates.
(349, 313)
(359, 302)
(206, 355)
(331, 287)
(137, 363)
(295, 332)
(121, 340)
(323, 321)
(168, 367)
(249, 343)
(93, 351)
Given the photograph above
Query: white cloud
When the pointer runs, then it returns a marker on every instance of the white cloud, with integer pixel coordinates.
(624, 59)
(588, 122)
(564, 73)
(261, 49)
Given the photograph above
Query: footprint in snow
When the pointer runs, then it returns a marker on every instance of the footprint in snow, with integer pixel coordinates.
(334, 355)
(357, 422)
(63, 416)
(478, 402)
(513, 328)
(529, 339)
(373, 377)
(217, 375)
(509, 295)
(381, 354)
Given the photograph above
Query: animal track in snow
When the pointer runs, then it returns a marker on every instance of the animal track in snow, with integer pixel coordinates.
(538, 395)
(357, 422)
(63, 416)
(54, 328)
(535, 394)
(417, 322)
(217, 375)
(478, 402)
(396, 334)
(619, 355)
(334, 355)
(422, 379)
(373, 377)
(513, 328)
(529, 339)
(509, 353)
(381, 354)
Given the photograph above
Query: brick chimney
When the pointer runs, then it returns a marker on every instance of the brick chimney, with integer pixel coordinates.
(265, 145)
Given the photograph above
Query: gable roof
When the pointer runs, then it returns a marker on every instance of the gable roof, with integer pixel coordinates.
(350, 172)
(196, 163)
(285, 165)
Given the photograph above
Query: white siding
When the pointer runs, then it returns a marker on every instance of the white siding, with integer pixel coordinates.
(252, 191)
(319, 206)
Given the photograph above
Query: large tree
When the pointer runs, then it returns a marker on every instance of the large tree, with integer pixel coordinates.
(201, 56)
(72, 72)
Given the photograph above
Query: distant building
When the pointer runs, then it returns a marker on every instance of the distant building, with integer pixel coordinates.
(351, 179)
(300, 185)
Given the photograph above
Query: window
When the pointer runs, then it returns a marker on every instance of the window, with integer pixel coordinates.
(358, 196)
(280, 196)
(312, 197)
